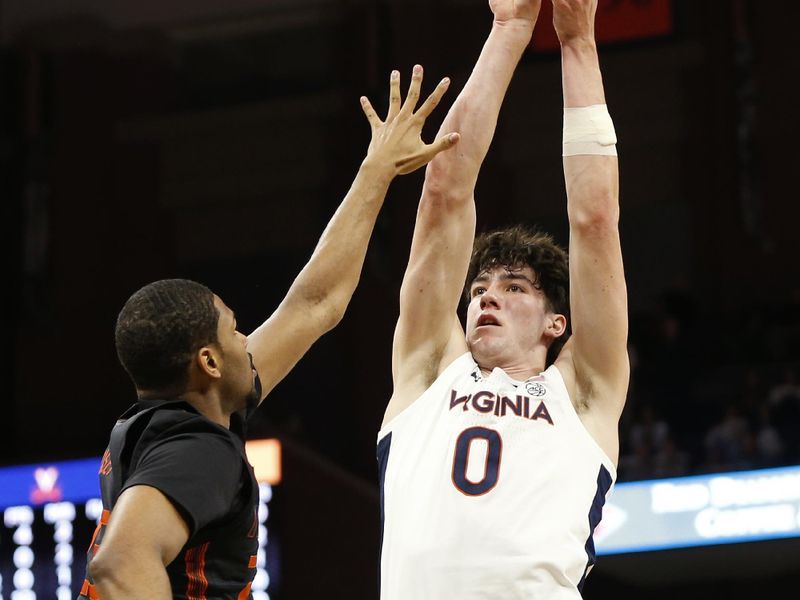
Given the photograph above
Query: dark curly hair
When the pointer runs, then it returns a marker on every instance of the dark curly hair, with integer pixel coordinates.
(160, 328)
(520, 246)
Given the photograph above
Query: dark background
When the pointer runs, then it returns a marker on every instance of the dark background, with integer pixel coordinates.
(213, 140)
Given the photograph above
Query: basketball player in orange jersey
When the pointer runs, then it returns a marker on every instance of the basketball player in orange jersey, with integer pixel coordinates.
(179, 496)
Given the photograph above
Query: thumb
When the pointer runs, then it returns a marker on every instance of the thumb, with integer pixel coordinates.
(444, 143)
(428, 153)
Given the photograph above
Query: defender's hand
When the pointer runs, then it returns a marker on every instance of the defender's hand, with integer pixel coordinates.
(574, 19)
(397, 140)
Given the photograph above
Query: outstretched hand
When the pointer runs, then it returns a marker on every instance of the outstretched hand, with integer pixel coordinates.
(397, 140)
(507, 11)
(574, 19)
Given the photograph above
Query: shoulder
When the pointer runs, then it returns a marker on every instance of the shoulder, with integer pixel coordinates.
(196, 464)
(176, 433)
(408, 395)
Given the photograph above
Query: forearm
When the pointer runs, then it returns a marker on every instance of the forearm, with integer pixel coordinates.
(580, 72)
(591, 180)
(475, 111)
(330, 277)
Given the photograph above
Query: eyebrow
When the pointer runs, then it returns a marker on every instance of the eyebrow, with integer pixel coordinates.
(506, 275)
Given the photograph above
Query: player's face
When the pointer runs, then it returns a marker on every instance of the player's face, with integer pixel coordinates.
(507, 318)
(238, 374)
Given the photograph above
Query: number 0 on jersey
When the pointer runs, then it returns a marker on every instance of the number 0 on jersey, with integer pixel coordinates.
(464, 471)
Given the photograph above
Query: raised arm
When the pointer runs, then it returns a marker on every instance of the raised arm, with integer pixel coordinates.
(428, 334)
(598, 299)
(317, 299)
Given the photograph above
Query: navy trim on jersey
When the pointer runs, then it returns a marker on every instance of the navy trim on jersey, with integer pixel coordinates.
(595, 514)
(383, 459)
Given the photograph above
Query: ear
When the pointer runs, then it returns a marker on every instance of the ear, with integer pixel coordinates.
(209, 361)
(556, 326)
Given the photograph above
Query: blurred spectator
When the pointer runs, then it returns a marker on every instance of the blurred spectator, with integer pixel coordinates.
(648, 430)
(729, 443)
(646, 441)
(637, 464)
(670, 461)
(768, 441)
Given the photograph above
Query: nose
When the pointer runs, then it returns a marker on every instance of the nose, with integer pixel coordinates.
(488, 298)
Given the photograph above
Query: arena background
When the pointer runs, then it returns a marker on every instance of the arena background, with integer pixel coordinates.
(213, 140)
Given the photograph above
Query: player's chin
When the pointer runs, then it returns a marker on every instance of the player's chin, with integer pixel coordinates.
(487, 334)
(485, 345)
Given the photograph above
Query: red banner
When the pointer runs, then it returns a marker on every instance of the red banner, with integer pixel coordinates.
(617, 21)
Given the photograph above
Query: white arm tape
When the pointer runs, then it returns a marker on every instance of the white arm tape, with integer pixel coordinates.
(589, 130)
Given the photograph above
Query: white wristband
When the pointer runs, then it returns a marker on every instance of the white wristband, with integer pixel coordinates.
(589, 130)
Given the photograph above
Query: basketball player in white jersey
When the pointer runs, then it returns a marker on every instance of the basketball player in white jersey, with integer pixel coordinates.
(494, 466)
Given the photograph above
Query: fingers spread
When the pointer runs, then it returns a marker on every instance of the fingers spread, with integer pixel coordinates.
(397, 139)
(366, 106)
(434, 99)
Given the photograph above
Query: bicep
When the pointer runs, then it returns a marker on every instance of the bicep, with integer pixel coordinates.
(598, 294)
(144, 528)
(433, 281)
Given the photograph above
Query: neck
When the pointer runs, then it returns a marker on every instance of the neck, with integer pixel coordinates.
(516, 372)
(519, 368)
(210, 407)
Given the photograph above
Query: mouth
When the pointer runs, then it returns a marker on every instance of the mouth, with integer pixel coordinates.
(487, 320)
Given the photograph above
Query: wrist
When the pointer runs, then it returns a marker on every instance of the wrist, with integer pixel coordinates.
(581, 45)
(376, 170)
(521, 29)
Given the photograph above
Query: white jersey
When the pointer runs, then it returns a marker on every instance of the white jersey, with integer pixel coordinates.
(490, 489)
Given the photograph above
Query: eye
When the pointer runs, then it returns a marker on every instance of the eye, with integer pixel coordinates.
(515, 288)
(478, 291)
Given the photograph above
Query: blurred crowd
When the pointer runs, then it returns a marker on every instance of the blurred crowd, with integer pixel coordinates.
(710, 393)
